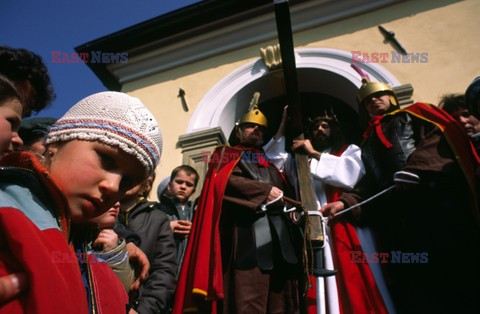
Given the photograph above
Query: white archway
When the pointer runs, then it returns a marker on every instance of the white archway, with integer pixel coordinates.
(320, 70)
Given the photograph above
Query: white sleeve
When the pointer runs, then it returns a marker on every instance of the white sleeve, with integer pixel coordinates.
(341, 171)
(275, 150)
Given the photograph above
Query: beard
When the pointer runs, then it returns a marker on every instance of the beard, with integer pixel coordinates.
(256, 143)
(322, 143)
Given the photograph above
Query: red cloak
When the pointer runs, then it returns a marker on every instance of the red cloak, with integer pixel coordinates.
(201, 274)
(357, 290)
(458, 141)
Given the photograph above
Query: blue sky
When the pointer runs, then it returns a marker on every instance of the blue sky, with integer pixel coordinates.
(46, 26)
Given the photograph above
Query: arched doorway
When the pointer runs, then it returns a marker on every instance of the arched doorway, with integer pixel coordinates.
(320, 70)
(323, 74)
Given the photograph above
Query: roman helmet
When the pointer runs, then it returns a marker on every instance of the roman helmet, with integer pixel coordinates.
(369, 88)
(472, 96)
(254, 115)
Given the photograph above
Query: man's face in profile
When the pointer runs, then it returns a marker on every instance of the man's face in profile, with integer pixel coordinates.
(471, 124)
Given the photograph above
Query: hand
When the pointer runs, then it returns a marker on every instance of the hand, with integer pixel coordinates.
(106, 240)
(140, 260)
(12, 285)
(406, 181)
(274, 194)
(181, 227)
(404, 187)
(132, 311)
(307, 146)
(283, 122)
(331, 209)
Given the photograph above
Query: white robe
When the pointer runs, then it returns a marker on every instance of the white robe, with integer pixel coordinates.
(342, 171)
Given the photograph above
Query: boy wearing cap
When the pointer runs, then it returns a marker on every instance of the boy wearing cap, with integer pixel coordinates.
(101, 147)
(32, 132)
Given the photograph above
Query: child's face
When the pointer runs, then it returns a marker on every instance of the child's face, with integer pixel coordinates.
(108, 219)
(182, 186)
(10, 117)
(92, 176)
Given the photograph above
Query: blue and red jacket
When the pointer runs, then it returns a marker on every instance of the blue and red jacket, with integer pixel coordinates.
(34, 234)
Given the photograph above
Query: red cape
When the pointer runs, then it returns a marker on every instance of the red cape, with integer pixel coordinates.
(201, 274)
(455, 134)
(356, 286)
(459, 142)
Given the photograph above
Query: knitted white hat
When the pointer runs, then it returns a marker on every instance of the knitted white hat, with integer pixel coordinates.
(115, 119)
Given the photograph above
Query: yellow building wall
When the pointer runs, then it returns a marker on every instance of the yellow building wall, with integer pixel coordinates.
(446, 30)
(449, 34)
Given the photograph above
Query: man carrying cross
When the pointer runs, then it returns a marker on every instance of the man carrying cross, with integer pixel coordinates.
(335, 166)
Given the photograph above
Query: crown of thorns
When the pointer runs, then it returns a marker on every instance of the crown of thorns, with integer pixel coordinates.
(326, 114)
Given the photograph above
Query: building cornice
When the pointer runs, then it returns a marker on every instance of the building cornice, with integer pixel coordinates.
(207, 29)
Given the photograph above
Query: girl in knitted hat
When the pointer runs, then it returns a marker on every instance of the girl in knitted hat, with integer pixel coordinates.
(103, 146)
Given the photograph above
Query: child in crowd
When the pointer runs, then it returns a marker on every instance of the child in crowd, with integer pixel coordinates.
(10, 115)
(175, 202)
(32, 132)
(153, 227)
(108, 247)
(103, 146)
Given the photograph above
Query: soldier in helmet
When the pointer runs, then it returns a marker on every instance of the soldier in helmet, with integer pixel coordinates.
(472, 97)
(428, 225)
(242, 254)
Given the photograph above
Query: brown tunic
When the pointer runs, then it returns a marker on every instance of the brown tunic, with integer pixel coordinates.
(247, 287)
(434, 218)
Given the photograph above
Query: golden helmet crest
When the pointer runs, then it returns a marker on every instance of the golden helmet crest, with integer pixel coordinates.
(254, 115)
(369, 88)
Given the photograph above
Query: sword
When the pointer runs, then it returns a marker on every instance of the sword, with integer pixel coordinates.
(346, 210)
(398, 177)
